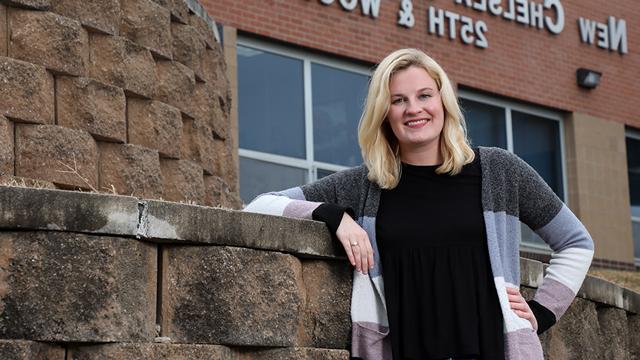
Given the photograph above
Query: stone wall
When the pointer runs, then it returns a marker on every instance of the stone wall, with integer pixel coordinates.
(122, 96)
(95, 276)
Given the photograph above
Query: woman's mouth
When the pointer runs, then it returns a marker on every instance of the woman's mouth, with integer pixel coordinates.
(416, 123)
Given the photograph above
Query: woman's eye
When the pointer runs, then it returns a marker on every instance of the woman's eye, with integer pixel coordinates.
(397, 101)
(425, 96)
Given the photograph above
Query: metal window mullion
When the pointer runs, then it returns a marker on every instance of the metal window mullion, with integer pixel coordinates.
(308, 119)
(509, 128)
(273, 158)
(563, 163)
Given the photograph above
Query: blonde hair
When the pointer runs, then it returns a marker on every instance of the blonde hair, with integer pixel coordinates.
(379, 146)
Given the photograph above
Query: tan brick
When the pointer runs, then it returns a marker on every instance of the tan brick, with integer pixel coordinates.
(183, 181)
(66, 157)
(6, 146)
(29, 4)
(71, 287)
(87, 104)
(179, 9)
(148, 24)
(198, 144)
(28, 350)
(155, 125)
(258, 297)
(117, 61)
(4, 36)
(53, 41)
(176, 85)
(96, 15)
(218, 194)
(211, 107)
(202, 27)
(225, 167)
(188, 48)
(215, 67)
(130, 170)
(24, 85)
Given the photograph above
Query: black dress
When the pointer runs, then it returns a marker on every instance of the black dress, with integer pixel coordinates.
(440, 294)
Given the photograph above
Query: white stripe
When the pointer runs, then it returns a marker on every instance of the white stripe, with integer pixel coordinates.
(268, 204)
(367, 305)
(570, 266)
(512, 322)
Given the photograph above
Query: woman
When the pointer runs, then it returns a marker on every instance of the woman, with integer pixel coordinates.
(442, 220)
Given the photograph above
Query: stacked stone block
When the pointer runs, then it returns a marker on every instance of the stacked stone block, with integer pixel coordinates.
(120, 96)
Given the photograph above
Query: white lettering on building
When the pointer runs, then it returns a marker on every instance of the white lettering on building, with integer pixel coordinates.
(368, 7)
(470, 32)
(525, 12)
(611, 35)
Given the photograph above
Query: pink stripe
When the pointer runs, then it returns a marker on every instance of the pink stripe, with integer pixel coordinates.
(300, 209)
(522, 344)
(370, 341)
(555, 296)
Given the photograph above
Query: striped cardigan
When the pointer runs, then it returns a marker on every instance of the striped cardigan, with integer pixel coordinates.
(511, 192)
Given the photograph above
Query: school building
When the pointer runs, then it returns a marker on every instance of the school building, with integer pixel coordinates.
(555, 81)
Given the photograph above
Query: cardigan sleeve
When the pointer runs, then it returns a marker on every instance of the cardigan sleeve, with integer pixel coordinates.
(572, 246)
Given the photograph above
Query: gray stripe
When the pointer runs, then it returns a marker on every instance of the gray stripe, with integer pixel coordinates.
(369, 225)
(555, 296)
(522, 344)
(565, 230)
(503, 239)
(370, 341)
(294, 193)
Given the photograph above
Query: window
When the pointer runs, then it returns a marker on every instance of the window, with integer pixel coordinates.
(298, 116)
(532, 133)
(633, 164)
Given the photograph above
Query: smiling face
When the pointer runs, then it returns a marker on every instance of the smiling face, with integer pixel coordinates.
(416, 115)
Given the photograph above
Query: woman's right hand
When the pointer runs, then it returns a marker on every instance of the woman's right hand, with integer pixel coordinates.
(356, 244)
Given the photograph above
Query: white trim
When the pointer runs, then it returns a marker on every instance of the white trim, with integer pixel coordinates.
(530, 109)
(308, 118)
(508, 123)
(273, 158)
(328, 166)
(633, 133)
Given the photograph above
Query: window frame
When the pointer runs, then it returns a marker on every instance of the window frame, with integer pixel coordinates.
(551, 115)
(632, 133)
(309, 164)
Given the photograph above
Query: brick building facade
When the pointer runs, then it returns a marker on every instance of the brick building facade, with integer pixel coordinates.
(514, 63)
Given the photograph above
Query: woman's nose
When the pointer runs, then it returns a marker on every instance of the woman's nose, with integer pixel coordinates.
(413, 107)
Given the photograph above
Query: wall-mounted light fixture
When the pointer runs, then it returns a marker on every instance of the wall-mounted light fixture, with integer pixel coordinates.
(588, 79)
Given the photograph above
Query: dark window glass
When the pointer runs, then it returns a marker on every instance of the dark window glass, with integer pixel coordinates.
(537, 141)
(258, 177)
(633, 164)
(485, 124)
(322, 173)
(338, 97)
(271, 103)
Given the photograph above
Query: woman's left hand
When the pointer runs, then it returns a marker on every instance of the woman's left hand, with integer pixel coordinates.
(520, 306)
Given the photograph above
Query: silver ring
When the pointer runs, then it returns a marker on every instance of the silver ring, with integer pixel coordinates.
(354, 243)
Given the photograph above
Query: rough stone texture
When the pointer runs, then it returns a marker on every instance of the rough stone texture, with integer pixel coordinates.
(231, 296)
(29, 350)
(71, 287)
(576, 335)
(198, 145)
(150, 351)
(301, 354)
(179, 9)
(148, 24)
(29, 4)
(90, 105)
(218, 194)
(531, 272)
(215, 67)
(38, 209)
(224, 163)
(17, 181)
(130, 170)
(4, 37)
(155, 125)
(66, 157)
(53, 41)
(176, 85)
(327, 321)
(96, 15)
(211, 107)
(188, 48)
(122, 63)
(202, 27)
(613, 328)
(634, 330)
(178, 223)
(6, 146)
(183, 181)
(23, 85)
(631, 301)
